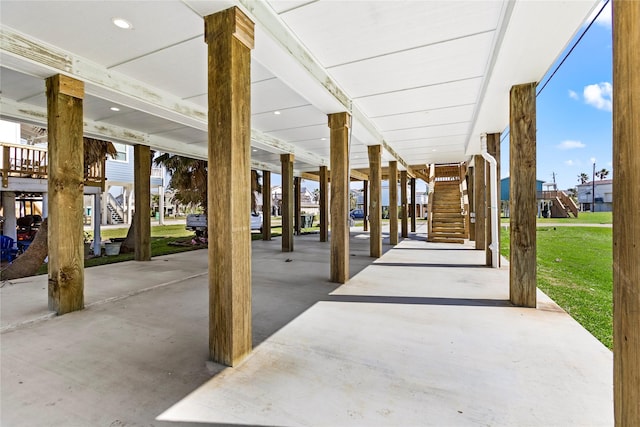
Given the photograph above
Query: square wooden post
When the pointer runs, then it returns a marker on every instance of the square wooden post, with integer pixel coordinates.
(229, 35)
(413, 205)
(286, 163)
(522, 169)
(626, 205)
(266, 205)
(493, 148)
(339, 123)
(142, 191)
(324, 206)
(393, 202)
(403, 204)
(65, 192)
(375, 196)
(479, 191)
(472, 202)
(365, 205)
(297, 211)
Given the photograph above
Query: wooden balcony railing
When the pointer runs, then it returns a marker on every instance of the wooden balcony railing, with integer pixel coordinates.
(24, 161)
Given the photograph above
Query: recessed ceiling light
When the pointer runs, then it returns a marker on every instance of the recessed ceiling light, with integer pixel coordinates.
(122, 23)
(323, 139)
(277, 113)
(114, 109)
(254, 150)
(434, 149)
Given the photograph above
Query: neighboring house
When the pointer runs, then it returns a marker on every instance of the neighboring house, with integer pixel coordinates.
(504, 195)
(28, 189)
(118, 198)
(308, 203)
(421, 200)
(603, 196)
(552, 203)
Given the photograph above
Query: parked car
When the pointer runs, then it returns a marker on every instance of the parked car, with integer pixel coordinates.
(198, 223)
(256, 221)
(357, 214)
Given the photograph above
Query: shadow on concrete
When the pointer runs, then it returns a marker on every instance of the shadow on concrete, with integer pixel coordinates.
(428, 265)
(376, 299)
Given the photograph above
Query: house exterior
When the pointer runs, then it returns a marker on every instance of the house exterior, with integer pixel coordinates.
(118, 197)
(603, 196)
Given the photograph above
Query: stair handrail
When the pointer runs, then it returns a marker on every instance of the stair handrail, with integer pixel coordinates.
(568, 202)
(113, 202)
(464, 200)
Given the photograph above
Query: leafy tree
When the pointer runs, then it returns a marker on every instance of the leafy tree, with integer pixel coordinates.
(583, 178)
(189, 180)
(602, 173)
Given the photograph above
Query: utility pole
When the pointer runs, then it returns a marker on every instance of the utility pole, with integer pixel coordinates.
(593, 187)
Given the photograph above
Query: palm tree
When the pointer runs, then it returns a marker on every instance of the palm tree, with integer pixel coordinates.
(583, 178)
(602, 173)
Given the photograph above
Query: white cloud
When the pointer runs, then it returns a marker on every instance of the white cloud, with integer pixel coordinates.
(599, 95)
(569, 162)
(569, 145)
(604, 19)
(573, 94)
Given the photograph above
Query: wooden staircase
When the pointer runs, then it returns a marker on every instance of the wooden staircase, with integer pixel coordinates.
(446, 205)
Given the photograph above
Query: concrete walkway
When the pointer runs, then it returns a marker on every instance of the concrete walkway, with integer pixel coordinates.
(422, 336)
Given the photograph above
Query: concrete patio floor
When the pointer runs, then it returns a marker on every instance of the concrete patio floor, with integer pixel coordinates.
(422, 336)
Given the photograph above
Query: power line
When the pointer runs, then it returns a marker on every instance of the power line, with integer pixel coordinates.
(573, 47)
(505, 133)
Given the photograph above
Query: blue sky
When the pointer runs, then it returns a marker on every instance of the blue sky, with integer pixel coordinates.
(574, 123)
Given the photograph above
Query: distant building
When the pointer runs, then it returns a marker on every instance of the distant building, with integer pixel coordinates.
(603, 196)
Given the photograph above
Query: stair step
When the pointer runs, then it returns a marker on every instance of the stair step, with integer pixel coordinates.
(444, 240)
(447, 220)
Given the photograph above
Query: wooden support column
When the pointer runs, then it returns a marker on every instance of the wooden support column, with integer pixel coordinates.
(493, 148)
(65, 191)
(626, 205)
(413, 205)
(375, 196)
(403, 204)
(480, 190)
(365, 205)
(472, 203)
(522, 198)
(324, 206)
(339, 123)
(142, 191)
(266, 205)
(393, 202)
(297, 211)
(229, 35)
(286, 161)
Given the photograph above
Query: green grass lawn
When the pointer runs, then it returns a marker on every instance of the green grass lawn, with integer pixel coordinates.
(575, 270)
(583, 218)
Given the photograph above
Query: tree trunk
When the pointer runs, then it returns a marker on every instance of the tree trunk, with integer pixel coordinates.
(129, 244)
(30, 261)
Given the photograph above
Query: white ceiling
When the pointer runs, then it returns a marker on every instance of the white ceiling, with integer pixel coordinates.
(422, 78)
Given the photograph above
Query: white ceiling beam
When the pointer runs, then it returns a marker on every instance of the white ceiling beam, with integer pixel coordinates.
(274, 145)
(107, 84)
(12, 110)
(36, 58)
